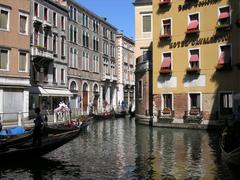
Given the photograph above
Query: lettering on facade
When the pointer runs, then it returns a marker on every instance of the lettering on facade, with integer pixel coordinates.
(197, 4)
(197, 42)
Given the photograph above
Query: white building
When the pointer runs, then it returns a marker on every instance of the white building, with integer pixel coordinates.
(125, 70)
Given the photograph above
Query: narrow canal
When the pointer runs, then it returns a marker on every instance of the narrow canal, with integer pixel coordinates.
(121, 149)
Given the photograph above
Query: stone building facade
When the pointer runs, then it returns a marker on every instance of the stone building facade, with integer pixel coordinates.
(14, 59)
(92, 61)
(49, 61)
(125, 71)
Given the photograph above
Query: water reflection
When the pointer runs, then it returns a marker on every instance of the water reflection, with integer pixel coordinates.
(120, 149)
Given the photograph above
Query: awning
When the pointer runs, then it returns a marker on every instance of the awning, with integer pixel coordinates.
(58, 92)
(166, 62)
(193, 25)
(38, 91)
(224, 15)
(194, 58)
(221, 59)
(49, 92)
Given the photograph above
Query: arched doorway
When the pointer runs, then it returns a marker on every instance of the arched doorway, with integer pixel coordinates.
(73, 98)
(85, 97)
(96, 97)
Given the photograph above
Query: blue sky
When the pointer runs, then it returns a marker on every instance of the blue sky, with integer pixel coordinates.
(120, 13)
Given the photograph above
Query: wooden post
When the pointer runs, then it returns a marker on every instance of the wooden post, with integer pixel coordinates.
(19, 119)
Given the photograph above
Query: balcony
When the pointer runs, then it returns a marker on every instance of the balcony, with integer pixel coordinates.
(144, 63)
(37, 20)
(106, 77)
(39, 51)
(114, 78)
(47, 24)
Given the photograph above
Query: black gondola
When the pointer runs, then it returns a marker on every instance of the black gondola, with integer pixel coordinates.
(121, 114)
(10, 140)
(103, 116)
(49, 143)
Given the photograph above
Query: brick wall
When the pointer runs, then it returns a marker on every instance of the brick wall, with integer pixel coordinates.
(180, 105)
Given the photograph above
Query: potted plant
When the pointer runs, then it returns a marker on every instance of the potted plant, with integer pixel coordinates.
(193, 70)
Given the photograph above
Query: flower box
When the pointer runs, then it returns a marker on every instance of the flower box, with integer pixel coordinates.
(163, 3)
(194, 70)
(192, 31)
(166, 111)
(166, 36)
(223, 27)
(165, 71)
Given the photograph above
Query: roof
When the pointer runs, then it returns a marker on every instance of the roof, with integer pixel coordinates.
(101, 19)
(142, 2)
(125, 37)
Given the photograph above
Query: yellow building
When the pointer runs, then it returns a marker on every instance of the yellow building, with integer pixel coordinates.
(196, 59)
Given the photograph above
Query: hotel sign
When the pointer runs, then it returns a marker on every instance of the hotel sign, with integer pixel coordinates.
(197, 4)
(197, 42)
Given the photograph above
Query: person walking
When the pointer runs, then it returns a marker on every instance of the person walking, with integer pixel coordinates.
(38, 122)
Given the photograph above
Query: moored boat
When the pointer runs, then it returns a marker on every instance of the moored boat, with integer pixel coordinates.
(49, 143)
(10, 137)
(230, 143)
(103, 116)
(121, 114)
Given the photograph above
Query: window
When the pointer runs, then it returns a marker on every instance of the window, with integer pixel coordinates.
(73, 57)
(85, 61)
(224, 55)
(193, 58)
(166, 60)
(85, 20)
(23, 24)
(71, 33)
(85, 39)
(55, 44)
(22, 65)
(62, 46)
(226, 103)
(193, 22)
(4, 18)
(224, 15)
(62, 76)
(46, 14)
(146, 23)
(95, 26)
(195, 101)
(167, 101)
(75, 34)
(140, 89)
(45, 40)
(105, 32)
(36, 9)
(54, 19)
(36, 37)
(95, 43)
(54, 74)
(166, 27)
(63, 23)
(4, 59)
(73, 13)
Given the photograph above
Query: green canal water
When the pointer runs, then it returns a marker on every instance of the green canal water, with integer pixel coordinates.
(122, 149)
